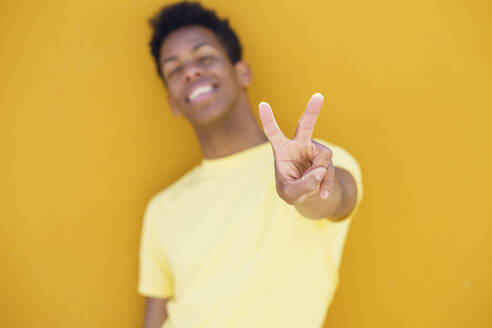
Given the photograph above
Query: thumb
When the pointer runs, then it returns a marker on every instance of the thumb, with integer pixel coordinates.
(309, 183)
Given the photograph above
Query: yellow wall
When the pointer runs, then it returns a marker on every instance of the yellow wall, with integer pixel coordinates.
(86, 138)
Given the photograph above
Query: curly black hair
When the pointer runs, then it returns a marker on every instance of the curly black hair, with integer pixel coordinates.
(185, 13)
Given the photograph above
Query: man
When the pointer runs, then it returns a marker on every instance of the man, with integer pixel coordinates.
(250, 237)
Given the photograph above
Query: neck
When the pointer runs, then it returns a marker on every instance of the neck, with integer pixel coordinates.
(235, 132)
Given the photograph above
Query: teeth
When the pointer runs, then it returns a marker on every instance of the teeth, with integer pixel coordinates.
(199, 91)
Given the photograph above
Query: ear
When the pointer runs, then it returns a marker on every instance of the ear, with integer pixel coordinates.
(173, 105)
(243, 73)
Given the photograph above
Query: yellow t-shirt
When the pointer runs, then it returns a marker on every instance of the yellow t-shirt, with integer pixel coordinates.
(228, 252)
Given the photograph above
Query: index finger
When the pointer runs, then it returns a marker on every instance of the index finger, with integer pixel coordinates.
(307, 121)
(270, 126)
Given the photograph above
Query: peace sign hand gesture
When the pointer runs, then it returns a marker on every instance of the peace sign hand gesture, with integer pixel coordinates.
(303, 168)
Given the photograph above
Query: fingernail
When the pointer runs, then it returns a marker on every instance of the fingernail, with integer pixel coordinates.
(325, 194)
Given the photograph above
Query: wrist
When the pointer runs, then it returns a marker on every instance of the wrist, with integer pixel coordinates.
(315, 207)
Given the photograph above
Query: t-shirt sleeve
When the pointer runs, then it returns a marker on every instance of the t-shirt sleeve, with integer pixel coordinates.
(337, 231)
(155, 276)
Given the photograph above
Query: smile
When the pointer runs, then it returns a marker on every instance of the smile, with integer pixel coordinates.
(200, 93)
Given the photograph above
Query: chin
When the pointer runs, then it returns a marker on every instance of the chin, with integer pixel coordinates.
(209, 115)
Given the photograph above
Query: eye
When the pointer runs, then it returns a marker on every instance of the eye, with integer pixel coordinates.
(174, 71)
(206, 59)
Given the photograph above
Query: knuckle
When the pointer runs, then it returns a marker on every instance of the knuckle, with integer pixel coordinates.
(327, 154)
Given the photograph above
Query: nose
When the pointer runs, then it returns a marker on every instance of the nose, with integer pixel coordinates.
(193, 72)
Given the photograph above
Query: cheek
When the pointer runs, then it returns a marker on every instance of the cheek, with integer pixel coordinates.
(229, 81)
(175, 92)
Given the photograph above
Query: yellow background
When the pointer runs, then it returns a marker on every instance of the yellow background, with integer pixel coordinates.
(86, 138)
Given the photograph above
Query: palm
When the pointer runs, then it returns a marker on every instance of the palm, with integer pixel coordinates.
(295, 159)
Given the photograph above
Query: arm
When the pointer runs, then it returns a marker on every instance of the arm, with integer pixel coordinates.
(155, 312)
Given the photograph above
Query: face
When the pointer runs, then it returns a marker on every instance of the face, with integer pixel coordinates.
(202, 82)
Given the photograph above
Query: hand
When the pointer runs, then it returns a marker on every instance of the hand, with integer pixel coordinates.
(303, 167)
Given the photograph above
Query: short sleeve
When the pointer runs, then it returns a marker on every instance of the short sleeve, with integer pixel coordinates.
(155, 276)
(337, 231)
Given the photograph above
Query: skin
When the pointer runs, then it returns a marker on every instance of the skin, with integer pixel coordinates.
(304, 170)
(155, 312)
(224, 124)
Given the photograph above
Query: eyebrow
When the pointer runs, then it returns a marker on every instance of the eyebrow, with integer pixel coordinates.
(199, 45)
(195, 48)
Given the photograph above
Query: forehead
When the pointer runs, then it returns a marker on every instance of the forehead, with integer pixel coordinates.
(185, 38)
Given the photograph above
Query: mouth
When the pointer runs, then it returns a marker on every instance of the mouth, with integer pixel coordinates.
(200, 92)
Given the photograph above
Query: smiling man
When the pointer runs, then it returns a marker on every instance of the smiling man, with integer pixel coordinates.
(253, 235)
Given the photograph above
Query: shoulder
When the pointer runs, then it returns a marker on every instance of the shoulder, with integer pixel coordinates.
(168, 195)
